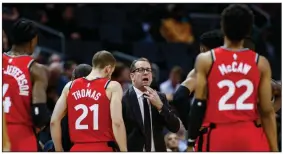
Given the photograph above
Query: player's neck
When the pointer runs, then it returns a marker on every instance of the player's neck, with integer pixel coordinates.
(95, 73)
(19, 50)
(233, 45)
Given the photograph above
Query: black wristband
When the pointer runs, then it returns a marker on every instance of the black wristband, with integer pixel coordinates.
(196, 117)
(191, 143)
(182, 92)
(40, 114)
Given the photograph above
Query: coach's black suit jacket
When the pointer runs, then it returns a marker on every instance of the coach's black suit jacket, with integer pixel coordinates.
(134, 124)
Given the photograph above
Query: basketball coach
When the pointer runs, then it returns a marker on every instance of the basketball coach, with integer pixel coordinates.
(146, 112)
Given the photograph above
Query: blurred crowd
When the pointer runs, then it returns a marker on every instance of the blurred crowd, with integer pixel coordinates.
(146, 22)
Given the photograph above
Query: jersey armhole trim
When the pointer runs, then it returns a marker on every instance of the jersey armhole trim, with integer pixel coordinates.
(213, 59)
(71, 85)
(107, 83)
(212, 55)
(257, 58)
(30, 63)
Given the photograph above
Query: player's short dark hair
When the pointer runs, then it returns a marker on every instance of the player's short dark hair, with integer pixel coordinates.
(81, 70)
(212, 39)
(133, 67)
(23, 31)
(237, 21)
(103, 58)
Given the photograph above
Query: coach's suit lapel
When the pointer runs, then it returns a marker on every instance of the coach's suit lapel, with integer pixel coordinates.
(136, 108)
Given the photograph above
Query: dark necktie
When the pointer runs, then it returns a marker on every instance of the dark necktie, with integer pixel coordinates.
(147, 125)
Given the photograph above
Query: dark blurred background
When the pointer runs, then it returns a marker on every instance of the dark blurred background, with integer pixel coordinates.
(166, 34)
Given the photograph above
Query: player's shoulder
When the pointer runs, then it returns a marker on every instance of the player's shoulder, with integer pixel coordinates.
(114, 85)
(204, 58)
(204, 55)
(263, 63)
(39, 70)
(68, 85)
(38, 67)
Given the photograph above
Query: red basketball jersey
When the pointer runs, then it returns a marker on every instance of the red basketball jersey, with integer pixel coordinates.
(89, 111)
(17, 89)
(232, 86)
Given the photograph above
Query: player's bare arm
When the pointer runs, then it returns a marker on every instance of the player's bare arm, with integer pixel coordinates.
(267, 111)
(190, 81)
(40, 112)
(6, 141)
(114, 92)
(59, 112)
(198, 108)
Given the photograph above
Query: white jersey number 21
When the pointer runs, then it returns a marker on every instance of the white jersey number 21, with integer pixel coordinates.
(93, 109)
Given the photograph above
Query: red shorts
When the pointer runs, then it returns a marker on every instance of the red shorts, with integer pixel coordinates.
(234, 137)
(22, 138)
(91, 147)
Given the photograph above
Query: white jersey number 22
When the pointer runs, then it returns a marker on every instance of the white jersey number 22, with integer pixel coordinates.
(232, 87)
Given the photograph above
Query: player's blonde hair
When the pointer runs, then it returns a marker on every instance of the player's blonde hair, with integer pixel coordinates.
(102, 59)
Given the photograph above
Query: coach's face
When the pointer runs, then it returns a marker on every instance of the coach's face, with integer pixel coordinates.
(142, 74)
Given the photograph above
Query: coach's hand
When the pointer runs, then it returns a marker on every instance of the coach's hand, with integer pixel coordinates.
(153, 97)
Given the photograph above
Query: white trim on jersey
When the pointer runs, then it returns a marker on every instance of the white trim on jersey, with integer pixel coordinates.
(256, 58)
(213, 54)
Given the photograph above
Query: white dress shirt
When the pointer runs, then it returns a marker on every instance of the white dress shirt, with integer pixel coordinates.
(140, 99)
(167, 87)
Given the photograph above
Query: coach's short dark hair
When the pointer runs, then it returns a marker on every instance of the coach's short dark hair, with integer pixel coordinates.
(237, 21)
(103, 58)
(133, 67)
(212, 39)
(23, 31)
(81, 70)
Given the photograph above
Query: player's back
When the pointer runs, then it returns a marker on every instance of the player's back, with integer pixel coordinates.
(89, 111)
(17, 89)
(232, 86)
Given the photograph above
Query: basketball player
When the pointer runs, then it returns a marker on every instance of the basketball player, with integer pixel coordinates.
(236, 77)
(24, 89)
(210, 40)
(94, 109)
